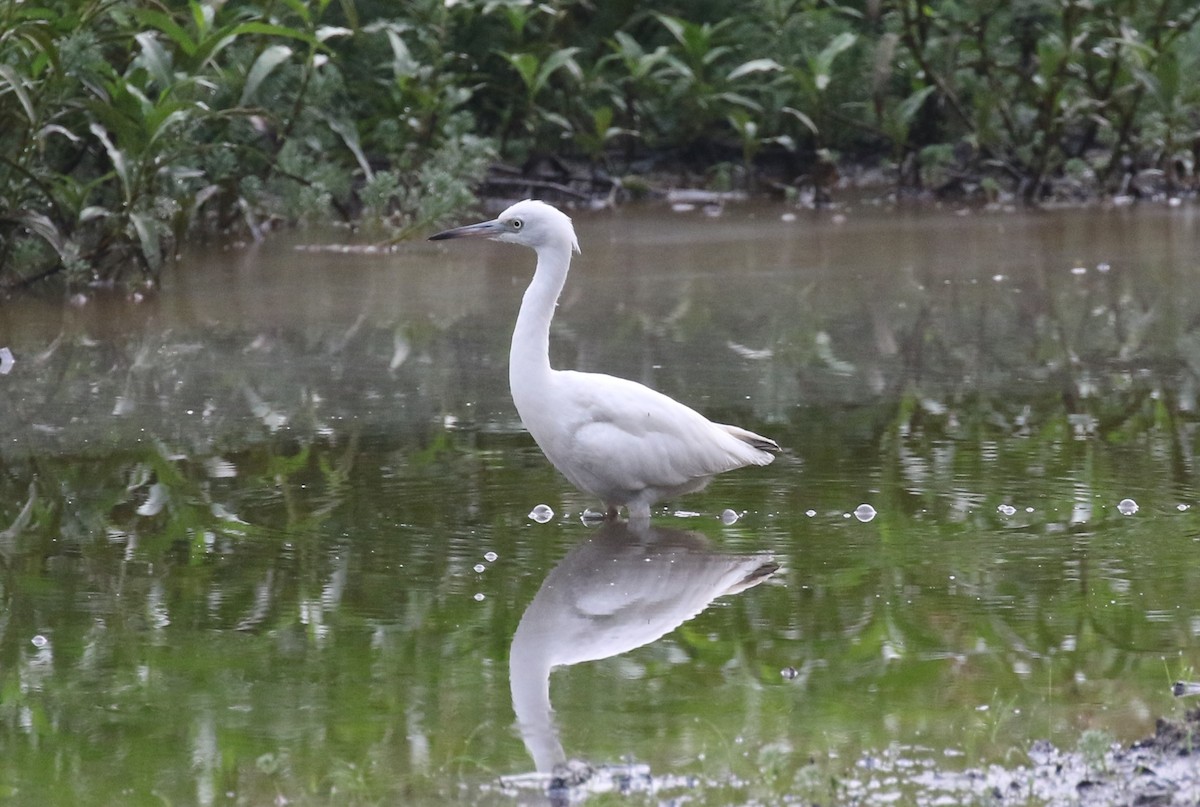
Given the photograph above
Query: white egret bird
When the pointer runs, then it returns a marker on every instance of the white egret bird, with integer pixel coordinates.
(615, 439)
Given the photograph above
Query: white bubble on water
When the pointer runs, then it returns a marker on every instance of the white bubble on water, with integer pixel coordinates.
(1102, 267)
(1007, 509)
(810, 513)
(1079, 270)
(1127, 507)
(864, 512)
(490, 557)
(479, 567)
(479, 597)
(39, 641)
(1181, 507)
(592, 517)
(729, 516)
(541, 514)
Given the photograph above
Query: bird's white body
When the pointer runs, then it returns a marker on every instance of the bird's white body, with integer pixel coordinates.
(623, 442)
(618, 440)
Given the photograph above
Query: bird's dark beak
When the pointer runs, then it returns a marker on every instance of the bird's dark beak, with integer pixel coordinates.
(484, 229)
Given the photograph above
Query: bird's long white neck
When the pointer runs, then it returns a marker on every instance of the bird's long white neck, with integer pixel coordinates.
(529, 356)
(529, 683)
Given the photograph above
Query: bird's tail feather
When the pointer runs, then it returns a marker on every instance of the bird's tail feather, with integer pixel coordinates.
(756, 576)
(752, 439)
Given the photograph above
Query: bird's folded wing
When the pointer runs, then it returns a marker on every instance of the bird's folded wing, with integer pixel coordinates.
(649, 437)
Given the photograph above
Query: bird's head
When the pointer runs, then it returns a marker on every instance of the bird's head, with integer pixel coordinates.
(530, 223)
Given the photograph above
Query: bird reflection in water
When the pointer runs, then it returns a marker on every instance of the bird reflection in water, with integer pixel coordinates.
(623, 587)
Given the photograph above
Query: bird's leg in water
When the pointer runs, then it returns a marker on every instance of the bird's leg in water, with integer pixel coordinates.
(611, 515)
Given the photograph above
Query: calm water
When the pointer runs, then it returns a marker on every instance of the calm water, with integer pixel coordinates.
(264, 535)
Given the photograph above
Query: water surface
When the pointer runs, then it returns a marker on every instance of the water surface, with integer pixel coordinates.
(264, 534)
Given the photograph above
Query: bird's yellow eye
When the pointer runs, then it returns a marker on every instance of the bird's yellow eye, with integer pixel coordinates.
(517, 224)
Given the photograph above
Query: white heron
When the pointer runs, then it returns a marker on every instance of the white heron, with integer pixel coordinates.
(615, 439)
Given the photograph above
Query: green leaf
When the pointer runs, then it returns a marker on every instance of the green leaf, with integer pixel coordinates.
(54, 128)
(1148, 80)
(560, 59)
(93, 212)
(266, 62)
(202, 196)
(1168, 77)
(754, 66)
(202, 15)
(42, 226)
(143, 225)
(822, 66)
(602, 119)
(165, 24)
(268, 29)
(626, 45)
(156, 59)
(740, 100)
(208, 48)
(674, 25)
(349, 135)
(526, 65)
(330, 31)
(840, 43)
(17, 82)
(403, 63)
(162, 118)
(558, 120)
(800, 116)
(116, 156)
(300, 9)
(907, 109)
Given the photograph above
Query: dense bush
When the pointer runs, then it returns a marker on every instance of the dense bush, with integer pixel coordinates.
(126, 125)
(1037, 97)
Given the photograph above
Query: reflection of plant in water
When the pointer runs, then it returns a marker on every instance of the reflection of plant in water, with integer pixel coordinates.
(1094, 745)
(369, 493)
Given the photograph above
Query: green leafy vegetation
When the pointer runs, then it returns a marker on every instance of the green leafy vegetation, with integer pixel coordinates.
(129, 126)
(126, 127)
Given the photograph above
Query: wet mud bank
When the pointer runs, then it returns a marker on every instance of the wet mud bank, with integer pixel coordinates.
(1163, 769)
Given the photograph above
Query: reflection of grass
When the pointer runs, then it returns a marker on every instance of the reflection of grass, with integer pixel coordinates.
(1094, 745)
(464, 761)
(1186, 672)
(984, 741)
